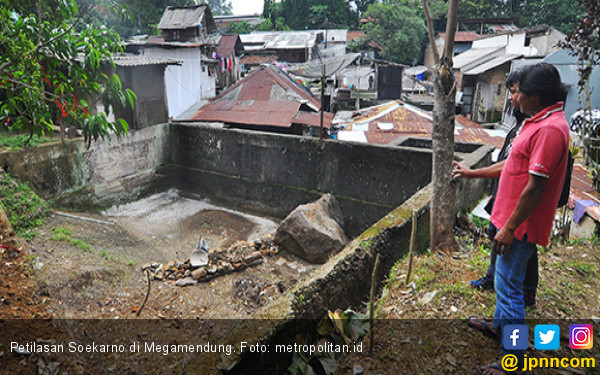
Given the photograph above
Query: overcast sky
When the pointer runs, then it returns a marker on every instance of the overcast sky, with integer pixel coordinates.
(247, 7)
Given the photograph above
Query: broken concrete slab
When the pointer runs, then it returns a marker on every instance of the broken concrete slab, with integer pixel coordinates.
(313, 231)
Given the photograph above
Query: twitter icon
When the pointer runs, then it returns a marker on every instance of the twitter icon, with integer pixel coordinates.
(547, 337)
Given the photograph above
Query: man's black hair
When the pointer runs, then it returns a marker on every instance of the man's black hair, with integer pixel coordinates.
(513, 78)
(543, 80)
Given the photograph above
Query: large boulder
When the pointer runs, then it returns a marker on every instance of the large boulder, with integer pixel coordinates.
(313, 231)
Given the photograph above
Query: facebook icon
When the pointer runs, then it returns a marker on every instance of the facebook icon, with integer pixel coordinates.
(515, 337)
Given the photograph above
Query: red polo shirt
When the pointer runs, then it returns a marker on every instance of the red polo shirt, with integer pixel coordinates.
(539, 149)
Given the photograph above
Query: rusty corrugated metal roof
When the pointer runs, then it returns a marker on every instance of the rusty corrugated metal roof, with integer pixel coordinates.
(385, 123)
(258, 59)
(184, 17)
(313, 118)
(354, 35)
(266, 97)
(227, 45)
(250, 112)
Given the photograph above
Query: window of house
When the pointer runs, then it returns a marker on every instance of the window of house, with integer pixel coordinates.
(527, 41)
(499, 91)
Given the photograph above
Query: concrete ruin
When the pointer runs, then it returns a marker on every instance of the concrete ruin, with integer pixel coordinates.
(378, 188)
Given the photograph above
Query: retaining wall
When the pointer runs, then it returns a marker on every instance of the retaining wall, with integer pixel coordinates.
(108, 172)
(272, 174)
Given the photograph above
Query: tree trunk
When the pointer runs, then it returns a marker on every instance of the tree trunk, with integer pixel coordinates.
(431, 33)
(442, 201)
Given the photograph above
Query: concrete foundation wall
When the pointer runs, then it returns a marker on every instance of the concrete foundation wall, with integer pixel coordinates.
(344, 281)
(273, 174)
(106, 173)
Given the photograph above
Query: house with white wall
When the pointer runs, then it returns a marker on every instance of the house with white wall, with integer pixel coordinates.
(186, 38)
(482, 70)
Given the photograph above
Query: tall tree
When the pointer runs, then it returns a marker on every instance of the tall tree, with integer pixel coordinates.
(560, 14)
(220, 7)
(443, 197)
(240, 28)
(399, 28)
(584, 43)
(362, 5)
(339, 13)
(49, 71)
(563, 15)
(137, 16)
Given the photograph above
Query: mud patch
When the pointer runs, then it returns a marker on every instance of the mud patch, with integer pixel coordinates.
(219, 224)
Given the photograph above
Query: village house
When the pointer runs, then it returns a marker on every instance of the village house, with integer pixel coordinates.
(145, 76)
(481, 71)
(229, 52)
(185, 37)
(268, 99)
(287, 46)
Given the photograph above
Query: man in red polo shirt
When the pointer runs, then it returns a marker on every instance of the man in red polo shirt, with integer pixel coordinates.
(530, 186)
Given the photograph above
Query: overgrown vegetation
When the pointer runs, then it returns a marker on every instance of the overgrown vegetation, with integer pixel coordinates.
(24, 208)
(12, 141)
(565, 275)
(55, 69)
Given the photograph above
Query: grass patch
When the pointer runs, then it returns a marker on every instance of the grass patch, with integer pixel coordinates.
(481, 258)
(12, 141)
(458, 290)
(65, 235)
(24, 208)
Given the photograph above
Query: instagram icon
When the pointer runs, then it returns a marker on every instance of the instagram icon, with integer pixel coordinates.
(581, 336)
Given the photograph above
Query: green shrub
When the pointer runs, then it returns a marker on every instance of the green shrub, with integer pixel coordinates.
(24, 208)
(12, 141)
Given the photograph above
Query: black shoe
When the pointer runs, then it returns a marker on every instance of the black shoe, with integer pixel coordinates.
(483, 283)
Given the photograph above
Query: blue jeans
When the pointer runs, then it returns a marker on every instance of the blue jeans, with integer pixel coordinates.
(531, 275)
(510, 275)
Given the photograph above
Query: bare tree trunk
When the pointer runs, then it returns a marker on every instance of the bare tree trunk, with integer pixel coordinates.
(430, 33)
(442, 201)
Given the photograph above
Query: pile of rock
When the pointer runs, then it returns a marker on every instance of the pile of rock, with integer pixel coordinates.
(236, 258)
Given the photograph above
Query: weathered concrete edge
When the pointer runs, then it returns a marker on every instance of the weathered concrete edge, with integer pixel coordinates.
(342, 281)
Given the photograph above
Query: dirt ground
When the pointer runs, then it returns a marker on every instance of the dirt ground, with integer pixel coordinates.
(95, 272)
(106, 281)
(421, 327)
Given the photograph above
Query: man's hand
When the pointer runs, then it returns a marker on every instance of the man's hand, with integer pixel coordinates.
(460, 170)
(503, 240)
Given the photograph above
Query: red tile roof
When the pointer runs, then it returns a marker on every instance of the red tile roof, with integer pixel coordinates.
(463, 36)
(354, 35)
(358, 35)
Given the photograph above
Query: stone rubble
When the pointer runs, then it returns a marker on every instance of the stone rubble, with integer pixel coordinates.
(239, 256)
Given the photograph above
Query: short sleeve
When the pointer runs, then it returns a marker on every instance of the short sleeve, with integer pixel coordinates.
(548, 147)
